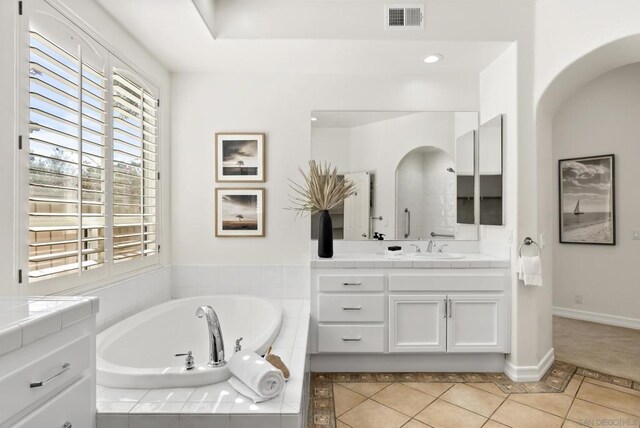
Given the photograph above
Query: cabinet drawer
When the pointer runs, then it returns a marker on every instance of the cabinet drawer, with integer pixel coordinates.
(448, 281)
(54, 370)
(351, 339)
(351, 283)
(351, 308)
(71, 407)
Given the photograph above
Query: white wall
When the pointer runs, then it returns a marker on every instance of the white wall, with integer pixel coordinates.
(332, 145)
(142, 290)
(279, 105)
(602, 118)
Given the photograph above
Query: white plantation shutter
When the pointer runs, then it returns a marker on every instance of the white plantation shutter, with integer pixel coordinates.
(90, 156)
(134, 168)
(67, 113)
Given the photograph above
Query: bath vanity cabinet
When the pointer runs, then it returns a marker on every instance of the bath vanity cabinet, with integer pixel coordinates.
(404, 307)
(47, 362)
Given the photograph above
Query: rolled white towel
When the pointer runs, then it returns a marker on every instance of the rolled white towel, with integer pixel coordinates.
(256, 374)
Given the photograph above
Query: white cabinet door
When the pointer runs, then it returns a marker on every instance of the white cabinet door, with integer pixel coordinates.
(417, 323)
(476, 322)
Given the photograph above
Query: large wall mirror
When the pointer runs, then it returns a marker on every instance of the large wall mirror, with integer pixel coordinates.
(416, 173)
(490, 166)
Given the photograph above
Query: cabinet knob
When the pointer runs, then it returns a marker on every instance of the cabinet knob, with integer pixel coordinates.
(67, 425)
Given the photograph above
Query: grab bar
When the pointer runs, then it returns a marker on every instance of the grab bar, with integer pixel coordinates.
(442, 235)
(407, 222)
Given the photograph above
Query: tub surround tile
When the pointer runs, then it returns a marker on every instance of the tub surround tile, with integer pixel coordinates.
(120, 407)
(106, 420)
(23, 320)
(153, 408)
(206, 408)
(121, 395)
(204, 421)
(154, 421)
(176, 395)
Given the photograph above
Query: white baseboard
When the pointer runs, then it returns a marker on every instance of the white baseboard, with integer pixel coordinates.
(529, 373)
(407, 362)
(596, 317)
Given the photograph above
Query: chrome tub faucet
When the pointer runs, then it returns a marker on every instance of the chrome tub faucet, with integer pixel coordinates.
(216, 345)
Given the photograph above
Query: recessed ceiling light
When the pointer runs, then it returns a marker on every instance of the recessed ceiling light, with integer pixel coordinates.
(313, 119)
(432, 59)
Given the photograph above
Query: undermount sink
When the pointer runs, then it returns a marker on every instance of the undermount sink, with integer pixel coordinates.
(435, 256)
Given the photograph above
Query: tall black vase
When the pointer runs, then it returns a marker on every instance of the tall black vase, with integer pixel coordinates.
(325, 235)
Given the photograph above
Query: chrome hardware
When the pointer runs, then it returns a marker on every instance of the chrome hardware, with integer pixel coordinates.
(418, 249)
(351, 339)
(407, 226)
(355, 284)
(364, 235)
(216, 345)
(430, 247)
(528, 241)
(353, 308)
(445, 308)
(65, 367)
(450, 309)
(238, 347)
(442, 248)
(189, 362)
(67, 425)
(377, 218)
(442, 235)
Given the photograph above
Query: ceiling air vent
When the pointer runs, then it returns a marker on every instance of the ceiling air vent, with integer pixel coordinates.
(404, 16)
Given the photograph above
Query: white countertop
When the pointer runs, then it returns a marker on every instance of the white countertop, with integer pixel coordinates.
(24, 320)
(372, 260)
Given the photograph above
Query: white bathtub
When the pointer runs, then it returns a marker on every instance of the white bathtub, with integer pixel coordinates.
(139, 352)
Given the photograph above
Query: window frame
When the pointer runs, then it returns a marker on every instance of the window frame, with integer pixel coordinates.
(110, 271)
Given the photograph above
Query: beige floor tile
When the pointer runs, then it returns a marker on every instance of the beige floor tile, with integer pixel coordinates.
(366, 389)
(578, 377)
(435, 389)
(572, 387)
(340, 424)
(611, 398)
(473, 399)
(557, 404)
(571, 424)
(441, 414)
(373, 415)
(493, 424)
(489, 387)
(591, 414)
(403, 399)
(344, 399)
(414, 424)
(518, 415)
(612, 386)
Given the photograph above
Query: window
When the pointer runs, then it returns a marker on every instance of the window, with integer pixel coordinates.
(92, 159)
(134, 169)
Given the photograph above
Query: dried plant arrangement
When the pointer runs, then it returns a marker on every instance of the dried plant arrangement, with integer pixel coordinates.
(321, 189)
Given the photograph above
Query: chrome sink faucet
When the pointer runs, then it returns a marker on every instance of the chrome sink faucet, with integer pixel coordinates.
(418, 249)
(430, 247)
(216, 345)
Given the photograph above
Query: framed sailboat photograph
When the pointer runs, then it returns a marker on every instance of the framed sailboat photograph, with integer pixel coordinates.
(587, 200)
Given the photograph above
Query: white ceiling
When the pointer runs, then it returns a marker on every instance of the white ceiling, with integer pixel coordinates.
(175, 33)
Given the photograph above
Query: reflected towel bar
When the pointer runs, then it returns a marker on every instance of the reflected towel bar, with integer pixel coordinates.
(433, 234)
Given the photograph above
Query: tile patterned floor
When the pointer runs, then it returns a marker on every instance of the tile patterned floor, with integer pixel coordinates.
(567, 397)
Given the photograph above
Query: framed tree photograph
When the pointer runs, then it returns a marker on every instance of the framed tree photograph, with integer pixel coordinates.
(240, 158)
(240, 212)
(587, 200)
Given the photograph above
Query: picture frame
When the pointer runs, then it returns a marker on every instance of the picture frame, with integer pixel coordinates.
(240, 212)
(587, 200)
(240, 157)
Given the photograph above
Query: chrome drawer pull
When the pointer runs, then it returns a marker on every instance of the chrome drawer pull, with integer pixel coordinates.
(67, 425)
(353, 308)
(355, 284)
(65, 367)
(351, 339)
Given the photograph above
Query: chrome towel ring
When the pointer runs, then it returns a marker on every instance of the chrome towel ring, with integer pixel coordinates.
(528, 241)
